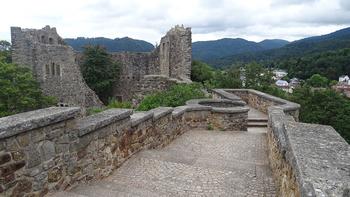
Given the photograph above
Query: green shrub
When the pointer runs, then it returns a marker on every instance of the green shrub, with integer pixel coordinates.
(210, 126)
(94, 110)
(117, 104)
(177, 95)
(111, 104)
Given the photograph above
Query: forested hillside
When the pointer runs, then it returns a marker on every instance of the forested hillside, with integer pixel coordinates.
(210, 51)
(329, 64)
(112, 45)
(334, 41)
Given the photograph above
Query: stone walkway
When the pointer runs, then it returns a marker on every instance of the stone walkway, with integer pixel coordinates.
(198, 163)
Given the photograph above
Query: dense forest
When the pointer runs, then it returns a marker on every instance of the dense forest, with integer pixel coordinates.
(330, 64)
(308, 46)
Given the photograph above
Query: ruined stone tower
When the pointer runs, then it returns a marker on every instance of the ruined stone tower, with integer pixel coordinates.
(175, 51)
(168, 64)
(53, 64)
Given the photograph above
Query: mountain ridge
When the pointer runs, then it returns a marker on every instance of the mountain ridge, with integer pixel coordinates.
(112, 45)
(339, 39)
(212, 49)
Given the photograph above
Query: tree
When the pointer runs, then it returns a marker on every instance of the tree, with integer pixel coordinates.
(324, 107)
(201, 72)
(99, 71)
(5, 51)
(19, 91)
(256, 76)
(317, 81)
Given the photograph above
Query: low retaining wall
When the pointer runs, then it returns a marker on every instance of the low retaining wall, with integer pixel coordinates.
(306, 159)
(51, 149)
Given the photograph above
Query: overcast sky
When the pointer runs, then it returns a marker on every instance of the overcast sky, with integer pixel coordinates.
(150, 19)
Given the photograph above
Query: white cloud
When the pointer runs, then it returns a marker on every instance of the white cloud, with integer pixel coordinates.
(149, 20)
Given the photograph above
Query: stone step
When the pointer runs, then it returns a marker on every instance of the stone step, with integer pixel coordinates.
(65, 194)
(257, 124)
(257, 120)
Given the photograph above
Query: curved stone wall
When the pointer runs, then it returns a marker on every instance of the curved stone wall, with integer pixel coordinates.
(306, 159)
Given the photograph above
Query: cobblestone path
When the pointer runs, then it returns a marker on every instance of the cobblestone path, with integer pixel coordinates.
(198, 163)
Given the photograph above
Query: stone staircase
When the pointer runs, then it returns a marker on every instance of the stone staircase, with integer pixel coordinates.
(257, 122)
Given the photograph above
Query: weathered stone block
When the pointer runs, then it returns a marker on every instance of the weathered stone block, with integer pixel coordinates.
(54, 174)
(47, 150)
(18, 155)
(33, 156)
(23, 140)
(22, 187)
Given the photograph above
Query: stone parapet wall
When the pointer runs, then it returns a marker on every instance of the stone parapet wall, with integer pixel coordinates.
(53, 149)
(306, 159)
(260, 101)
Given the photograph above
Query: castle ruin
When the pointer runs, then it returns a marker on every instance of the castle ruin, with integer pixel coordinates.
(56, 65)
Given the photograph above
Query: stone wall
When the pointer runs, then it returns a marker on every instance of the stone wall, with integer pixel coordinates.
(52, 149)
(306, 159)
(53, 65)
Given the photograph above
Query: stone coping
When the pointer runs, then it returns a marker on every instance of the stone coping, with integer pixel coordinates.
(282, 103)
(178, 111)
(161, 112)
(204, 101)
(19, 123)
(139, 117)
(231, 110)
(239, 108)
(196, 107)
(99, 120)
(226, 95)
(320, 158)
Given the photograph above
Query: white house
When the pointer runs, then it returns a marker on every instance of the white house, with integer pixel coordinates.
(343, 78)
(282, 83)
(279, 74)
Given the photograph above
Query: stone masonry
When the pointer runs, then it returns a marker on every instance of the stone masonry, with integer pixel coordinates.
(53, 64)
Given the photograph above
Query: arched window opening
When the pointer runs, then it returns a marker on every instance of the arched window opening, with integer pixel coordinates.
(58, 70)
(53, 69)
(50, 40)
(47, 69)
(43, 39)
